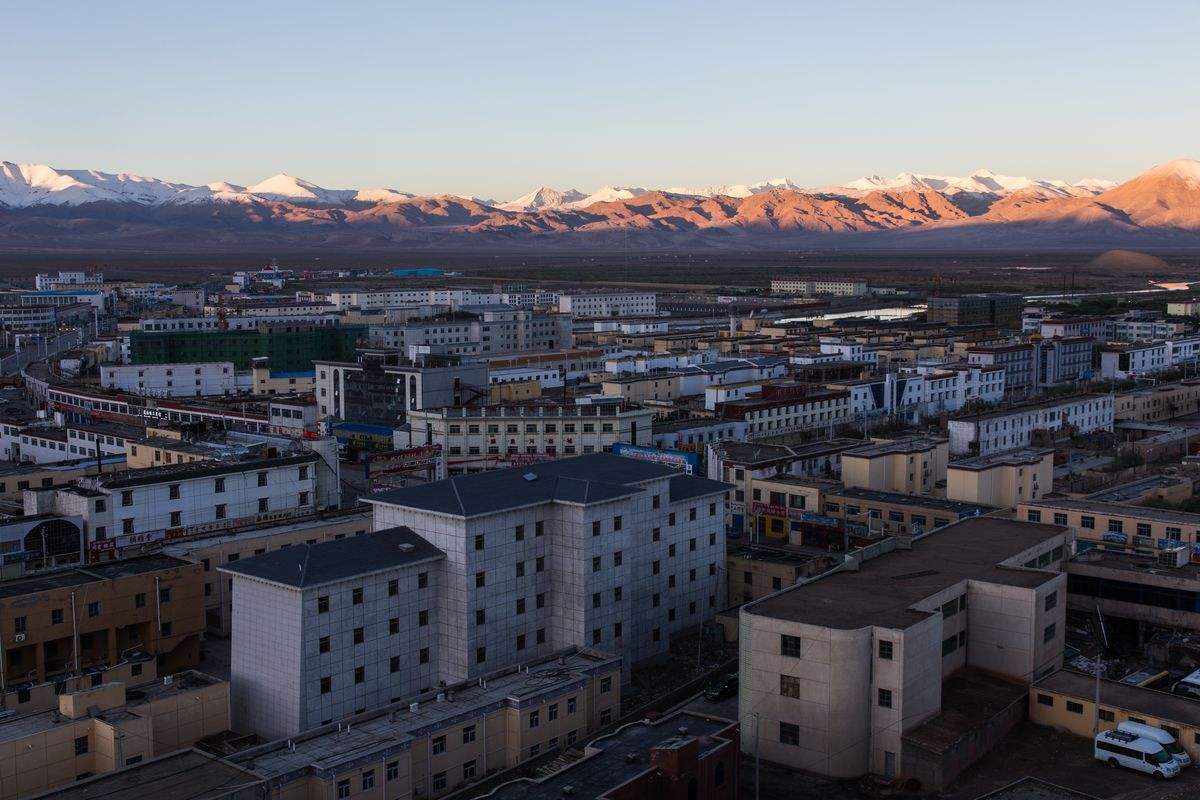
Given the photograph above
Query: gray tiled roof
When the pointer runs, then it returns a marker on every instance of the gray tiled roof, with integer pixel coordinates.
(316, 564)
(592, 478)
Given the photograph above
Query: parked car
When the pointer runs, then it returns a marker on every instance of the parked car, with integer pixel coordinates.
(1121, 749)
(726, 687)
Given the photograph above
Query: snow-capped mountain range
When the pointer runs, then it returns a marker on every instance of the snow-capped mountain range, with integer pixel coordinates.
(29, 185)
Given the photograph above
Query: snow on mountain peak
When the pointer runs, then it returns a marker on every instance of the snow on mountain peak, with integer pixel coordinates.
(1186, 168)
(543, 197)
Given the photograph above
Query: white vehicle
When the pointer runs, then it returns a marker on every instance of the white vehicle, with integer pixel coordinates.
(1188, 686)
(1120, 749)
(1162, 737)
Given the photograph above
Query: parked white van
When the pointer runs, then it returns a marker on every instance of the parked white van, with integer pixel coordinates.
(1162, 737)
(1121, 749)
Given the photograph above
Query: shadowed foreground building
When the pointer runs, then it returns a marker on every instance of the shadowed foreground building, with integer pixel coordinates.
(427, 745)
(835, 672)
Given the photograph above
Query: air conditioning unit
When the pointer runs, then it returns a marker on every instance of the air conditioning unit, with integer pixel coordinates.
(1174, 557)
(18, 637)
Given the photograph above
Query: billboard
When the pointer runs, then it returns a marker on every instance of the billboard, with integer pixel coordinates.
(396, 462)
(686, 462)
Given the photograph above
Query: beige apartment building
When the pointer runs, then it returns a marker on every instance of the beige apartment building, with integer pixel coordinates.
(867, 512)
(912, 465)
(107, 727)
(1158, 403)
(1067, 701)
(16, 478)
(834, 672)
(214, 552)
(779, 504)
(642, 387)
(1116, 525)
(442, 741)
(1002, 479)
(480, 438)
(60, 623)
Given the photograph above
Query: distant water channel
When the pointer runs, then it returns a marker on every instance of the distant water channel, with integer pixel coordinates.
(883, 314)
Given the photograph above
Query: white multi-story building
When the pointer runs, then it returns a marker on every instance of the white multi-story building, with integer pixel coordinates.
(487, 437)
(696, 379)
(477, 331)
(1010, 428)
(177, 380)
(548, 377)
(45, 282)
(788, 408)
(326, 631)
(393, 298)
(100, 299)
(128, 509)
(1135, 358)
(923, 392)
(598, 551)
(848, 351)
(834, 672)
(807, 287)
(608, 304)
(1018, 359)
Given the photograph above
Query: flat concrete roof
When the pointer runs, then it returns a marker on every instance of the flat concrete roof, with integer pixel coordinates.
(1119, 510)
(883, 590)
(1024, 456)
(606, 767)
(395, 724)
(1150, 702)
(909, 444)
(970, 697)
(182, 775)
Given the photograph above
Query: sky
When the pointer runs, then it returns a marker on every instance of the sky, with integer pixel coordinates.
(492, 99)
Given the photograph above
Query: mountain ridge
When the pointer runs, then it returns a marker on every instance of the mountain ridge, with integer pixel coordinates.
(64, 208)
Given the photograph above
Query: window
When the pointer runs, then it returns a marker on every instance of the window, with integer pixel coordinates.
(949, 645)
(885, 698)
(262, 479)
(439, 745)
(605, 685)
(789, 733)
(368, 779)
(479, 542)
(56, 616)
(789, 645)
(1108, 716)
(617, 523)
(81, 745)
(533, 719)
(323, 604)
(93, 609)
(139, 600)
(1087, 522)
(264, 505)
(1051, 600)
(596, 528)
(1048, 633)
(422, 581)
(343, 788)
(480, 655)
(356, 596)
(468, 770)
(173, 491)
(359, 636)
(1060, 519)
(439, 782)
(1045, 700)
(323, 644)
(520, 533)
(326, 685)
(392, 771)
(789, 686)
(1074, 708)
(480, 580)
(885, 649)
(126, 498)
(360, 675)
(1034, 515)
(949, 609)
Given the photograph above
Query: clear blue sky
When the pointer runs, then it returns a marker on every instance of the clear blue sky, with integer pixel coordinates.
(492, 98)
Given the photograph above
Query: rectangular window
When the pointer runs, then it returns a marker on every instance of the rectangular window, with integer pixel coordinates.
(1074, 708)
(789, 733)
(885, 649)
(1045, 700)
(885, 698)
(1048, 633)
(1108, 716)
(439, 745)
(1051, 600)
(789, 645)
(789, 686)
